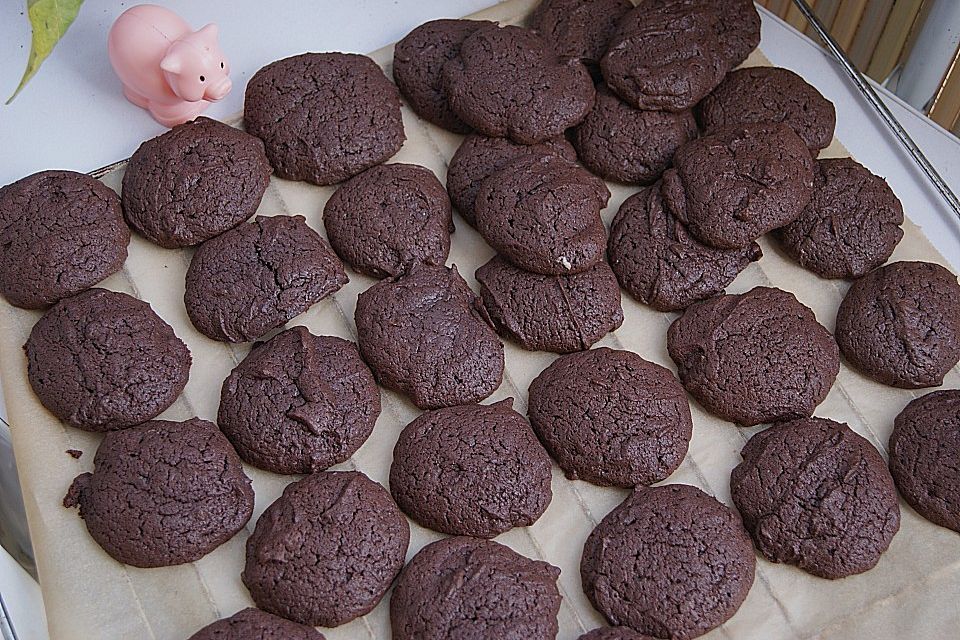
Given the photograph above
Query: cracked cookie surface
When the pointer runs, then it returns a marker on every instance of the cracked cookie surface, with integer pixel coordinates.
(676, 586)
(611, 418)
(60, 233)
(253, 624)
(194, 182)
(324, 117)
(299, 403)
(472, 470)
(755, 357)
(103, 360)
(815, 494)
(163, 493)
(900, 324)
(388, 218)
(256, 277)
(473, 589)
(326, 551)
(614, 633)
(577, 28)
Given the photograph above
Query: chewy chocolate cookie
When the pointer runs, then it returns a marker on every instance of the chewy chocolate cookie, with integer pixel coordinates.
(614, 633)
(388, 218)
(551, 313)
(660, 264)
(425, 334)
(324, 117)
(669, 561)
(611, 418)
(256, 277)
(851, 225)
(474, 589)
(900, 324)
(473, 470)
(578, 28)
(327, 550)
(60, 232)
(755, 357)
(194, 182)
(163, 493)
(737, 27)
(815, 494)
(299, 403)
(253, 624)
(103, 360)
(508, 83)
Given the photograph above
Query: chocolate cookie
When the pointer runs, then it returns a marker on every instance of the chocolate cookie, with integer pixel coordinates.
(578, 28)
(551, 313)
(103, 360)
(614, 633)
(425, 334)
(851, 225)
(660, 264)
(253, 624)
(163, 493)
(194, 182)
(611, 418)
(418, 61)
(60, 233)
(737, 183)
(478, 157)
(815, 494)
(299, 403)
(256, 277)
(468, 588)
(770, 94)
(389, 217)
(327, 550)
(508, 82)
(617, 142)
(324, 117)
(542, 213)
(737, 27)
(680, 587)
(925, 456)
(756, 357)
(900, 324)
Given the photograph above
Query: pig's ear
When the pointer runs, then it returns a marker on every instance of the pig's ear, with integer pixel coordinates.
(209, 32)
(171, 63)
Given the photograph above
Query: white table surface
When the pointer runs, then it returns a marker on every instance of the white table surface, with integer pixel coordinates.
(72, 115)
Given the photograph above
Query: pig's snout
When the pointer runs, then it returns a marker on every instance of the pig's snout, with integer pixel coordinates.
(219, 90)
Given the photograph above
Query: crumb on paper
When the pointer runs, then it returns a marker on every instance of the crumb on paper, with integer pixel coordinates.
(74, 453)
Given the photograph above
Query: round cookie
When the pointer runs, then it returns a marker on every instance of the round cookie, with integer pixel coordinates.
(163, 493)
(578, 28)
(542, 213)
(925, 456)
(739, 182)
(770, 94)
(103, 360)
(851, 225)
(900, 324)
(679, 589)
(324, 117)
(418, 61)
(253, 624)
(620, 143)
(327, 550)
(478, 157)
(389, 217)
(254, 278)
(737, 27)
(474, 589)
(508, 83)
(299, 403)
(755, 357)
(614, 633)
(660, 264)
(194, 182)
(473, 470)
(60, 232)
(815, 494)
(551, 313)
(611, 418)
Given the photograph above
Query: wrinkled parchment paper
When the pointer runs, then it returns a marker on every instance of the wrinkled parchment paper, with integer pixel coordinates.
(914, 592)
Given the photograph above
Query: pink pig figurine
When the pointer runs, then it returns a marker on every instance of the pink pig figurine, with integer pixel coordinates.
(165, 66)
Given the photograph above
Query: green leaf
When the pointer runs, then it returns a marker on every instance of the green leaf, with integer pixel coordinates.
(49, 19)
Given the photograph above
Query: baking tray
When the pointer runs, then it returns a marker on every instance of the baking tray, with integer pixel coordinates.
(913, 591)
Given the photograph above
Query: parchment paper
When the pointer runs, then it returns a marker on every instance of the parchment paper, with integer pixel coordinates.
(913, 592)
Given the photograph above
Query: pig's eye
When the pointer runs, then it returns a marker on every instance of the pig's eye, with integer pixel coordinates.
(221, 65)
(202, 79)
